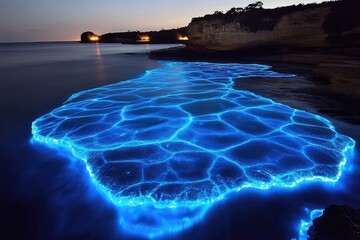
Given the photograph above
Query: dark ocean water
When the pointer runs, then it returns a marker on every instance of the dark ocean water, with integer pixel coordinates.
(47, 194)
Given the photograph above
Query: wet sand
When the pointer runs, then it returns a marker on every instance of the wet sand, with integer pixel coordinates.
(327, 81)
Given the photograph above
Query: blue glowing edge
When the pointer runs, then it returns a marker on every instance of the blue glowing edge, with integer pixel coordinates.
(306, 224)
(181, 137)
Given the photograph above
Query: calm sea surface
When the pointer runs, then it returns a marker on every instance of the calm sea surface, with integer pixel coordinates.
(47, 195)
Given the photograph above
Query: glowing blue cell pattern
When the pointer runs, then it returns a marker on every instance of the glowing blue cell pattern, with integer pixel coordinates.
(182, 135)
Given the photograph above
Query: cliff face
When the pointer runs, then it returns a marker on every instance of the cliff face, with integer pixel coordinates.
(298, 28)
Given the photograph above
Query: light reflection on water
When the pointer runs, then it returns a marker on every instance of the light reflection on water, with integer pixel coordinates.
(17, 54)
(100, 65)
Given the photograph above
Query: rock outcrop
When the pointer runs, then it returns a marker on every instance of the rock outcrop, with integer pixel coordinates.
(337, 222)
(89, 37)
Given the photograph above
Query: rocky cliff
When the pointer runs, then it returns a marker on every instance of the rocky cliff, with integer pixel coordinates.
(301, 25)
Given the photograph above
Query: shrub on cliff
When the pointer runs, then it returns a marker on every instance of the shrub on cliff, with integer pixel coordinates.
(255, 18)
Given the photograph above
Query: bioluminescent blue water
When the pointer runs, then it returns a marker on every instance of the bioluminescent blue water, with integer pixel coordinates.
(182, 137)
(306, 224)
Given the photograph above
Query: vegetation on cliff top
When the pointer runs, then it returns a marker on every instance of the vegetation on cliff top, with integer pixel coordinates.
(254, 17)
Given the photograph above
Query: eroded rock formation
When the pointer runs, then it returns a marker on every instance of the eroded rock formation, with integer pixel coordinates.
(301, 25)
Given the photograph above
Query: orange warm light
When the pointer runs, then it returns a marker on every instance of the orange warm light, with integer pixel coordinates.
(182, 38)
(94, 38)
(144, 38)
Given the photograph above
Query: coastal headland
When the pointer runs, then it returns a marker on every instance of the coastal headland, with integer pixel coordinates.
(178, 35)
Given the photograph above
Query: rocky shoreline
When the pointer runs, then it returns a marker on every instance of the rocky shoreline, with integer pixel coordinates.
(327, 82)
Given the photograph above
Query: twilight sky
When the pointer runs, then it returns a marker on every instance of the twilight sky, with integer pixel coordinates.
(55, 20)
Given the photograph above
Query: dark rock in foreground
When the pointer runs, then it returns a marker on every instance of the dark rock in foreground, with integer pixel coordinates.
(337, 222)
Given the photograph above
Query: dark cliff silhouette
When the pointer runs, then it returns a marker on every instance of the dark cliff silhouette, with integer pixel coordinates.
(344, 16)
(88, 37)
(135, 37)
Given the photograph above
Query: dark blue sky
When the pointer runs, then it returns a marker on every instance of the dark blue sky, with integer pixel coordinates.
(41, 20)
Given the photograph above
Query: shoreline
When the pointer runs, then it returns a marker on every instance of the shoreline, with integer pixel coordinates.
(314, 89)
(327, 81)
